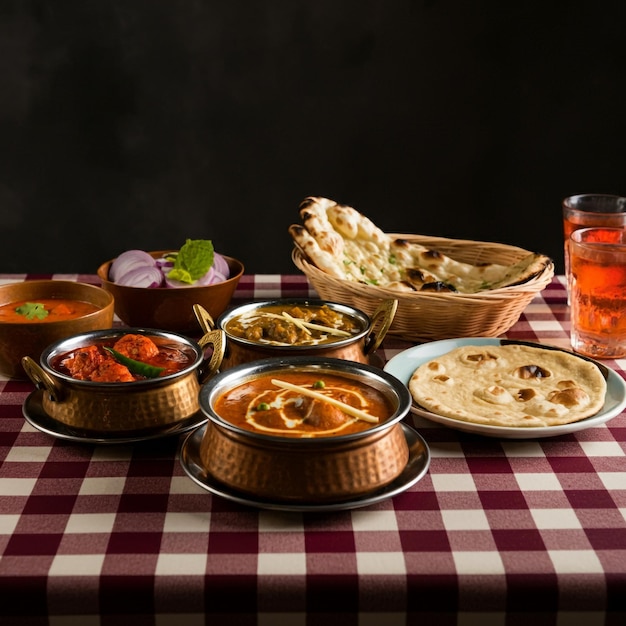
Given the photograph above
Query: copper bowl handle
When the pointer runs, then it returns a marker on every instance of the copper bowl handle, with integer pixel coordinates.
(42, 379)
(204, 318)
(383, 317)
(217, 340)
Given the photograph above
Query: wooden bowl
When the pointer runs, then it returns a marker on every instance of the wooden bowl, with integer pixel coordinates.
(19, 339)
(170, 309)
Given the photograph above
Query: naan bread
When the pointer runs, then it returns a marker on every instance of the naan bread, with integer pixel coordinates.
(509, 385)
(344, 243)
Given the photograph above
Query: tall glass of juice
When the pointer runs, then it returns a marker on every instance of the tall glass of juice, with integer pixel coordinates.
(587, 210)
(597, 278)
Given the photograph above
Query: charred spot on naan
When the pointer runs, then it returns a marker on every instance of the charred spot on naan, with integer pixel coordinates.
(570, 397)
(428, 258)
(421, 280)
(525, 394)
(438, 287)
(529, 371)
(480, 357)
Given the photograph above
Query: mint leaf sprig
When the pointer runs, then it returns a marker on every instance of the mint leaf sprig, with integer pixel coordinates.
(193, 261)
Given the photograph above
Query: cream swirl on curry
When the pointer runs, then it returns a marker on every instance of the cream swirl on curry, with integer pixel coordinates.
(303, 404)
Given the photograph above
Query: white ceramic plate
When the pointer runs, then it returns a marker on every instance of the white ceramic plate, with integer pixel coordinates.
(404, 364)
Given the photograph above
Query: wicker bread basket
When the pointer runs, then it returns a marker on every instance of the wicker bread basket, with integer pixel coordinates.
(431, 316)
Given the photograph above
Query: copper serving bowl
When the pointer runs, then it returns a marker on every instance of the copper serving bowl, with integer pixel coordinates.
(125, 407)
(170, 309)
(19, 339)
(360, 346)
(314, 469)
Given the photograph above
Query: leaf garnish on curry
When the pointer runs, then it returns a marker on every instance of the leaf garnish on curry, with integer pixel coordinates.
(45, 310)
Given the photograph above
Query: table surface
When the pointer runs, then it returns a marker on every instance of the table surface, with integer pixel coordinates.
(498, 531)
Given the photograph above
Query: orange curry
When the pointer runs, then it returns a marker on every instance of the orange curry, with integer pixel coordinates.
(44, 310)
(262, 406)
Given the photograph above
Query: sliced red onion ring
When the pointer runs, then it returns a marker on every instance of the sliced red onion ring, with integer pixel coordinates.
(143, 276)
(164, 264)
(221, 266)
(127, 261)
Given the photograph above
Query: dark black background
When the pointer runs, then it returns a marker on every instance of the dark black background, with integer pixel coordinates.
(141, 123)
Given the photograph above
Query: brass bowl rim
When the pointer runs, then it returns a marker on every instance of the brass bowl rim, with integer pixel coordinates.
(356, 314)
(246, 371)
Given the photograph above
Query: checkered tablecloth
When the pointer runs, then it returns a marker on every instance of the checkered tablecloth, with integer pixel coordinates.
(498, 532)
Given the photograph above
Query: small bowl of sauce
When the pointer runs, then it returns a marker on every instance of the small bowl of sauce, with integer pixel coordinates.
(36, 313)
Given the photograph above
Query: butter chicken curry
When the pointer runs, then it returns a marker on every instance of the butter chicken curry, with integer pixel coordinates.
(303, 404)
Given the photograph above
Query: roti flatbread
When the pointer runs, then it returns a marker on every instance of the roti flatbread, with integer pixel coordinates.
(509, 385)
(346, 244)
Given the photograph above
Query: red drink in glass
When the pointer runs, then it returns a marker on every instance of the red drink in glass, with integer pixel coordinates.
(589, 210)
(598, 291)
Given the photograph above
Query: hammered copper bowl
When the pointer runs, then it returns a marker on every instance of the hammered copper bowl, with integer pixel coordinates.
(30, 338)
(314, 469)
(125, 407)
(360, 347)
(170, 309)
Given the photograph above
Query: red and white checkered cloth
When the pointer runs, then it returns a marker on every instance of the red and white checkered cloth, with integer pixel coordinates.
(498, 532)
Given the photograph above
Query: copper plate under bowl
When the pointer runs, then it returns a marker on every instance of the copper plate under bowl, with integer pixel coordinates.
(36, 416)
(415, 469)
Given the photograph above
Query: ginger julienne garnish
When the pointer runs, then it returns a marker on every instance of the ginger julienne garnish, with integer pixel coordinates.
(346, 408)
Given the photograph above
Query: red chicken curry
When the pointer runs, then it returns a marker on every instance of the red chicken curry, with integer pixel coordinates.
(130, 358)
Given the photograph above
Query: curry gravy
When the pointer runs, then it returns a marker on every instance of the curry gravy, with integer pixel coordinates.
(93, 362)
(45, 310)
(281, 325)
(260, 406)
